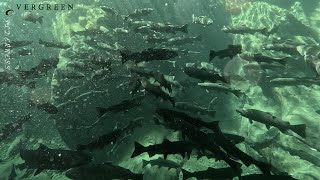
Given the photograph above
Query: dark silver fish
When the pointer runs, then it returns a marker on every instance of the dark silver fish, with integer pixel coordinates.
(166, 147)
(45, 106)
(230, 52)
(25, 52)
(189, 107)
(295, 81)
(221, 88)
(31, 17)
(311, 56)
(205, 75)
(152, 74)
(59, 45)
(266, 177)
(15, 44)
(102, 171)
(178, 41)
(109, 10)
(108, 138)
(247, 30)
(52, 159)
(303, 155)
(161, 163)
(123, 106)
(158, 92)
(8, 129)
(149, 54)
(269, 120)
(40, 70)
(221, 173)
(169, 28)
(139, 13)
(261, 58)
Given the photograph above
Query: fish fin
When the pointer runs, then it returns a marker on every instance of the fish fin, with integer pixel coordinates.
(144, 163)
(184, 28)
(299, 129)
(186, 174)
(265, 31)
(273, 30)
(13, 173)
(267, 126)
(212, 54)
(138, 149)
(124, 55)
(101, 111)
(21, 166)
(283, 61)
(40, 20)
(172, 101)
(183, 135)
(38, 171)
(166, 141)
(213, 125)
(193, 18)
(165, 155)
(237, 93)
(41, 41)
(250, 120)
(43, 147)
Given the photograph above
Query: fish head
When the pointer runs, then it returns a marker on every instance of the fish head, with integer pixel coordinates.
(242, 112)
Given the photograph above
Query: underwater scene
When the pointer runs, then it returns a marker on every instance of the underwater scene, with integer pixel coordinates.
(160, 90)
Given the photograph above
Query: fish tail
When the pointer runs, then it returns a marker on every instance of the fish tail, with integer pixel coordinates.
(40, 19)
(212, 54)
(101, 111)
(186, 174)
(184, 28)
(299, 129)
(193, 18)
(124, 56)
(138, 149)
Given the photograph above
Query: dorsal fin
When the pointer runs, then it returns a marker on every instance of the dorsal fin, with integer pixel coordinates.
(42, 146)
(165, 141)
